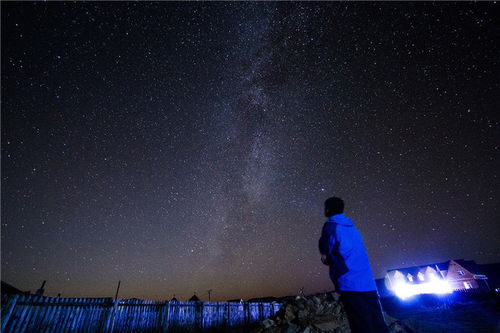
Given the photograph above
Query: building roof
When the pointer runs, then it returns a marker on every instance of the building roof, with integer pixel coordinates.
(469, 265)
(442, 266)
(194, 298)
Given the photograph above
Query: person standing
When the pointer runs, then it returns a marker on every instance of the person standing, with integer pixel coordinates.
(342, 249)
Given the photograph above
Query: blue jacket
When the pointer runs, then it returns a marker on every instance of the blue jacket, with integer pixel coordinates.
(349, 265)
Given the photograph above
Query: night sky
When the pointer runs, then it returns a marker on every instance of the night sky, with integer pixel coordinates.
(181, 147)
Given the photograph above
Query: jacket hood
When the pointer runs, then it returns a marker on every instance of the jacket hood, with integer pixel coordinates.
(340, 219)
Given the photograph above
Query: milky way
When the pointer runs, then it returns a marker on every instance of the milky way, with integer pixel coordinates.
(181, 147)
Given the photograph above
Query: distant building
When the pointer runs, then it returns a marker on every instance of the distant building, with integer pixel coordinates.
(466, 274)
(194, 298)
(438, 278)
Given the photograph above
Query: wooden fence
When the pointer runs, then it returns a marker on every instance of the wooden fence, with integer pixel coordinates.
(30, 313)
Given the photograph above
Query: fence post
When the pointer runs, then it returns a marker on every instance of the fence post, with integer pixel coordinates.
(167, 313)
(246, 312)
(227, 314)
(20, 316)
(9, 308)
(198, 315)
(110, 319)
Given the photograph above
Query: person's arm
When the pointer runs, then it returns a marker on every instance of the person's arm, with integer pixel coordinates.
(327, 240)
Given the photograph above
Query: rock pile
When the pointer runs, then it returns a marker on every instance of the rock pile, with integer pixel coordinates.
(314, 314)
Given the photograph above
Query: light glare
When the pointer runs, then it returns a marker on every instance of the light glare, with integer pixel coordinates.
(436, 286)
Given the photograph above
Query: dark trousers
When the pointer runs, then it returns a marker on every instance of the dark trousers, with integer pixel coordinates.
(364, 311)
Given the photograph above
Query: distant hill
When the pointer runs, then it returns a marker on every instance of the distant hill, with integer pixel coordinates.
(7, 288)
(264, 299)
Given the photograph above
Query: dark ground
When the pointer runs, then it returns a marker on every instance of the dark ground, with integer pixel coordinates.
(472, 317)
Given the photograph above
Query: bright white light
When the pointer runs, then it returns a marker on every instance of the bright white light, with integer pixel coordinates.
(436, 286)
(403, 290)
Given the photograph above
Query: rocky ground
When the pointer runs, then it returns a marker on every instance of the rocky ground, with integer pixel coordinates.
(314, 314)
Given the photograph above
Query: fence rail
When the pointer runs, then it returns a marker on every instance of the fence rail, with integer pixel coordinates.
(31, 313)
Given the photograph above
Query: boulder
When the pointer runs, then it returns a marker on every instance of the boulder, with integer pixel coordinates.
(292, 328)
(266, 323)
(329, 326)
(315, 314)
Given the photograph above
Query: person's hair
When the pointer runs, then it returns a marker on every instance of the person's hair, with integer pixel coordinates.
(334, 206)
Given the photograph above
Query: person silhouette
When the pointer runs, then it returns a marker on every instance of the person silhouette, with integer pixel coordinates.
(342, 249)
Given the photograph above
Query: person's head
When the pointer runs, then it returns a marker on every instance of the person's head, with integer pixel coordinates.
(334, 206)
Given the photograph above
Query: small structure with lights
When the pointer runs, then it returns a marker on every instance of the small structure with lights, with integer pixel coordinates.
(439, 279)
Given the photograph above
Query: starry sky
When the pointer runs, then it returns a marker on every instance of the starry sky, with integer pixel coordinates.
(181, 147)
